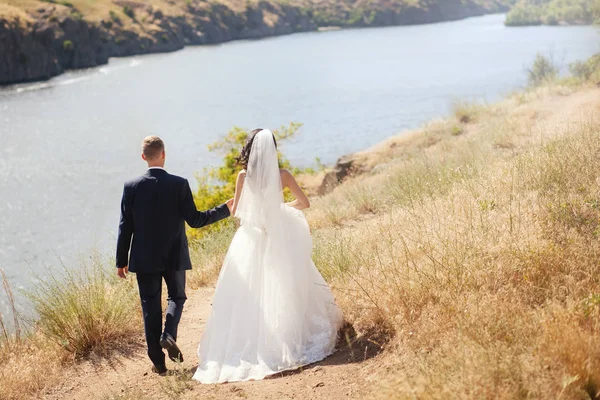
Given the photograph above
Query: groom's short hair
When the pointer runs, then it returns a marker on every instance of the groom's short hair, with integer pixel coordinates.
(152, 147)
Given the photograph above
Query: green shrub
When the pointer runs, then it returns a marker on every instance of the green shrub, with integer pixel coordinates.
(580, 70)
(457, 130)
(129, 12)
(523, 15)
(543, 70)
(586, 70)
(357, 16)
(114, 17)
(86, 309)
(68, 45)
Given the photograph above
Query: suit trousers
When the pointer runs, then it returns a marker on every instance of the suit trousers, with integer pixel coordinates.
(150, 287)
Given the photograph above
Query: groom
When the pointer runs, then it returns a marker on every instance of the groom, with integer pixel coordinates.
(154, 210)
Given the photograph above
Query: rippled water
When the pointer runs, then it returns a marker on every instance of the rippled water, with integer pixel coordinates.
(68, 144)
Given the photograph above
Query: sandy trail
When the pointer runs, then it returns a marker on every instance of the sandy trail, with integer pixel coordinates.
(127, 376)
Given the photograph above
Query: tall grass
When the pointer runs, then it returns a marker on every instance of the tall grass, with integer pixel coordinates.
(80, 311)
(86, 309)
(8, 337)
(207, 253)
(28, 363)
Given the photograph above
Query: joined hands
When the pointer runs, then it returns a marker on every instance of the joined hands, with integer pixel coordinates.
(230, 205)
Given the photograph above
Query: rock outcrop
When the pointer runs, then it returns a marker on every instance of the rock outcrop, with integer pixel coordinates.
(345, 167)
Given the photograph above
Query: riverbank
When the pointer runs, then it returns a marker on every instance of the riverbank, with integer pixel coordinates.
(42, 39)
(464, 254)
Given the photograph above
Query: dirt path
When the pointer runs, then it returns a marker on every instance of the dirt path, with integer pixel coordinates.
(342, 376)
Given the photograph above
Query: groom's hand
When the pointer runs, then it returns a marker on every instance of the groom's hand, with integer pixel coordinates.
(230, 205)
(122, 272)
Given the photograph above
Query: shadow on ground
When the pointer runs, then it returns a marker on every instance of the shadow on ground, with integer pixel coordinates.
(350, 349)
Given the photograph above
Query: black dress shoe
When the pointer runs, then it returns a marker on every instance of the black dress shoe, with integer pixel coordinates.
(159, 369)
(168, 343)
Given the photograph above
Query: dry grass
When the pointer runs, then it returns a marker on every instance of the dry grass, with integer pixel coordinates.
(81, 312)
(481, 258)
(87, 309)
(28, 363)
(466, 112)
(30, 367)
(207, 254)
(11, 13)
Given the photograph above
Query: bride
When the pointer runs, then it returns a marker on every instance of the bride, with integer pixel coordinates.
(272, 310)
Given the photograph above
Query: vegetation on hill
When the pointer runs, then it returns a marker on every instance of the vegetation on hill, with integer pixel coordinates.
(136, 15)
(554, 12)
(468, 250)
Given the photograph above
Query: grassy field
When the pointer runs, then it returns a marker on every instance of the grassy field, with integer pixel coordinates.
(478, 253)
(474, 249)
(468, 250)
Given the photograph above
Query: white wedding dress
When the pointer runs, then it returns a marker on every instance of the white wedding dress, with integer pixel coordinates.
(272, 310)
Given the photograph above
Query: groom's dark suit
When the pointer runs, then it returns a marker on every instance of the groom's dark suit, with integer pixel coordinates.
(154, 210)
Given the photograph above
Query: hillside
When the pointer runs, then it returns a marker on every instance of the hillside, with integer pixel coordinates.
(41, 39)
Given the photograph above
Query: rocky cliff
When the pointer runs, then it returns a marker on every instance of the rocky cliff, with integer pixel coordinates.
(39, 42)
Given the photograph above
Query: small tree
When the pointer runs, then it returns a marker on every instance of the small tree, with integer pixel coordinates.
(580, 70)
(586, 70)
(544, 69)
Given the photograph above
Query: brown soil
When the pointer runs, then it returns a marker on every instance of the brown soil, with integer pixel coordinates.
(344, 375)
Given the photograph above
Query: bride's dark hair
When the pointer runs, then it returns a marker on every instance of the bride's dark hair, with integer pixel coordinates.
(244, 156)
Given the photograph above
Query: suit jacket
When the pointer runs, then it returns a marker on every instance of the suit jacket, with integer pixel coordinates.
(154, 210)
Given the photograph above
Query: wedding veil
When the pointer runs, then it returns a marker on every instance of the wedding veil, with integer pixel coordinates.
(262, 194)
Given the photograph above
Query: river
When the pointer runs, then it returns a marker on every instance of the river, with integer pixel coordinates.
(68, 145)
